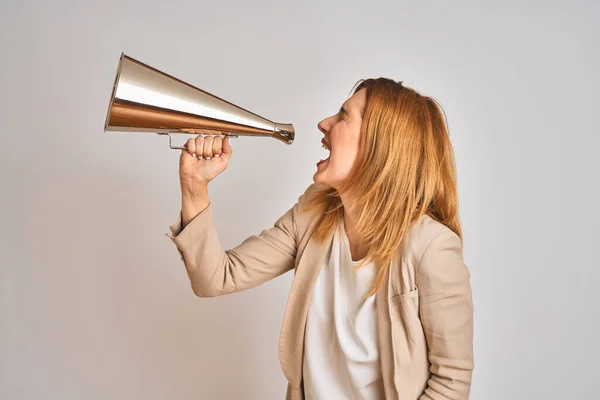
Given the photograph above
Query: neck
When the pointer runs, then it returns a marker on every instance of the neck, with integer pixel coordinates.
(358, 251)
(350, 213)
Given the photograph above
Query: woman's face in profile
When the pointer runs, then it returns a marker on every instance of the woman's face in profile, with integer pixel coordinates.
(342, 132)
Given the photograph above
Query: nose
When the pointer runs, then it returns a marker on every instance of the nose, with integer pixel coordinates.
(323, 126)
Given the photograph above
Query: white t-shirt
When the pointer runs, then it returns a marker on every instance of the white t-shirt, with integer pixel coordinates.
(341, 357)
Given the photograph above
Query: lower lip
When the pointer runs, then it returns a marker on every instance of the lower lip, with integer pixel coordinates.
(322, 161)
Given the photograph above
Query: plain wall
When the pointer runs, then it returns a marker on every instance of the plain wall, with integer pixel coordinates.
(95, 302)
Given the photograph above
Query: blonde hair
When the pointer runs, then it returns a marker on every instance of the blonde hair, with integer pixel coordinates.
(404, 169)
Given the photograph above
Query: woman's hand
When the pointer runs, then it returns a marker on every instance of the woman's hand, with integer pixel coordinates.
(204, 159)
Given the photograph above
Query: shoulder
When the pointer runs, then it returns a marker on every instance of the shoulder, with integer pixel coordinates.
(427, 236)
(310, 190)
(307, 217)
(306, 196)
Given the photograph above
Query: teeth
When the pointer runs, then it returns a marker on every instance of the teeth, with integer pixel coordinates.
(325, 147)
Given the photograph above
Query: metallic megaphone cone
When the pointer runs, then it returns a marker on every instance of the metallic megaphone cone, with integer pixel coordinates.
(147, 100)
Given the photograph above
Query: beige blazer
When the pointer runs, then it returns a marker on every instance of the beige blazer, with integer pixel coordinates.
(424, 311)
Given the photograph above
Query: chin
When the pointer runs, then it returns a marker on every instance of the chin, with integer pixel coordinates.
(318, 178)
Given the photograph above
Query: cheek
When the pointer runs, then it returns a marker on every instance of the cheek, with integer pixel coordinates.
(342, 158)
(346, 151)
(345, 148)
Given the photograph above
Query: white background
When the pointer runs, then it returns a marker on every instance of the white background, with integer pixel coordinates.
(94, 299)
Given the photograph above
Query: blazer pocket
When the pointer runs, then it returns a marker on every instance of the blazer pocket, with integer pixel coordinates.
(407, 331)
(400, 298)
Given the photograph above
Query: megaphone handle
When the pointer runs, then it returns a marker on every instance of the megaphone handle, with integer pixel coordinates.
(185, 148)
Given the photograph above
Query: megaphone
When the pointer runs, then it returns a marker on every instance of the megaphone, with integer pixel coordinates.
(145, 99)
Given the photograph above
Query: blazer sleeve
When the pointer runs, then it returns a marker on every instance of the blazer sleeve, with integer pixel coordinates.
(214, 271)
(446, 312)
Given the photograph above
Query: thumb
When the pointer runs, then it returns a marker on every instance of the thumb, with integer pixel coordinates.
(185, 155)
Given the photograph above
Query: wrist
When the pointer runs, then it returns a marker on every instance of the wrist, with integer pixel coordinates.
(194, 200)
(194, 190)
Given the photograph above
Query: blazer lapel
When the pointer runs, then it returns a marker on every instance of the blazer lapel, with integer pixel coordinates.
(384, 333)
(291, 338)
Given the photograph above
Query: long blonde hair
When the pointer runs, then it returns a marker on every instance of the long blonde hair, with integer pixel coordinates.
(404, 169)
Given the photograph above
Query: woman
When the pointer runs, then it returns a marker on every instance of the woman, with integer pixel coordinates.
(380, 305)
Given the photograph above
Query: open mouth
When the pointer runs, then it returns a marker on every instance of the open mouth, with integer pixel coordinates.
(325, 145)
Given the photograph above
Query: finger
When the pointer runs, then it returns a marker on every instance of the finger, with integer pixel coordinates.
(191, 147)
(199, 146)
(227, 150)
(217, 147)
(208, 142)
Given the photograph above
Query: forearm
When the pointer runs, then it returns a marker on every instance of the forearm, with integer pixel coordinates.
(193, 202)
(214, 271)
